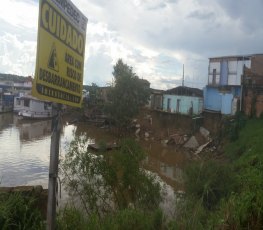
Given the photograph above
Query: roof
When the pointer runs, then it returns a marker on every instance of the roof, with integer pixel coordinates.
(236, 56)
(156, 91)
(185, 91)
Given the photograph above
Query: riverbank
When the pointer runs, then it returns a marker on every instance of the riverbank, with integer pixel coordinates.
(227, 194)
(159, 126)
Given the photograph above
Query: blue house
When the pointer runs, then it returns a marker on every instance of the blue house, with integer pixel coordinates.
(223, 94)
(6, 101)
(183, 100)
(224, 100)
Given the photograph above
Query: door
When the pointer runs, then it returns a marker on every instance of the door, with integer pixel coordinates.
(178, 105)
(169, 104)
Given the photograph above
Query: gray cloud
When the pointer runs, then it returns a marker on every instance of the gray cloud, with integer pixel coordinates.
(248, 12)
(154, 36)
(201, 15)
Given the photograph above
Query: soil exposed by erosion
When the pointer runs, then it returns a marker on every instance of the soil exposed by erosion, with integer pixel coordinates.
(159, 126)
(171, 129)
(192, 137)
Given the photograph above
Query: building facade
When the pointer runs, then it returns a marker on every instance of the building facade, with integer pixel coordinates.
(252, 102)
(156, 99)
(183, 100)
(223, 94)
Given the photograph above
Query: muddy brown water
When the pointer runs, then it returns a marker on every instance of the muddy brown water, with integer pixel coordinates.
(25, 149)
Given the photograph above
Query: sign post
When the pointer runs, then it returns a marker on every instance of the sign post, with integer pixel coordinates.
(53, 170)
(59, 72)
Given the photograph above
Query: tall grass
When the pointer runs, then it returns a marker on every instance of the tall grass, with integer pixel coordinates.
(19, 212)
(227, 194)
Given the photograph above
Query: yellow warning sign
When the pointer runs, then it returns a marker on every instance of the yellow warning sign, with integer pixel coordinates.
(60, 53)
(53, 62)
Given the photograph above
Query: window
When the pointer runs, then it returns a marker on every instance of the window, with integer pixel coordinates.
(214, 77)
(26, 102)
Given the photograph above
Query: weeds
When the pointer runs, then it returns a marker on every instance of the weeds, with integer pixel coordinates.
(227, 195)
(111, 181)
(19, 212)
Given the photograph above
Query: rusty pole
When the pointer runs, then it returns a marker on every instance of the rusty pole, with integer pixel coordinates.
(53, 170)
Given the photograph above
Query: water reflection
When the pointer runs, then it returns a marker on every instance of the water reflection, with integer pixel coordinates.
(32, 130)
(6, 119)
(167, 162)
(25, 150)
(21, 162)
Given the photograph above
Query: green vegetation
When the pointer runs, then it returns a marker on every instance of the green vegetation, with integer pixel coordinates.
(247, 159)
(232, 126)
(112, 191)
(204, 182)
(130, 219)
(18, 212)
(95, 96)
(112, 188)
(227, 194)
(127, 96)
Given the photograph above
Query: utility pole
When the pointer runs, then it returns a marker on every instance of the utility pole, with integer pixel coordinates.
(183, 76)
(53, 169)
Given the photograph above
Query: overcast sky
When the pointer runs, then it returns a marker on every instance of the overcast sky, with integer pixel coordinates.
(155, 37)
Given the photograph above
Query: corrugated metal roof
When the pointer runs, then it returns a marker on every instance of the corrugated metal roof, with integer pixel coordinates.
(185, 91)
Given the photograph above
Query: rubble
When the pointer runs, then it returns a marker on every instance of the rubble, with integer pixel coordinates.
(201, 147)
(204, 132)
(192, 143)
(177, 139)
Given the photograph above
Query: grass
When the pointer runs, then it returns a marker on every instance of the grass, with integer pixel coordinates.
(239, 202)
(19, 212)
(249, 142)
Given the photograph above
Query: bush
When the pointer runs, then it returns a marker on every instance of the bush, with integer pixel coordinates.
(71, 218)
(19, 212)
(233, 125)
(190, 214)
(128, 219)
(209, 182)
(110, 181)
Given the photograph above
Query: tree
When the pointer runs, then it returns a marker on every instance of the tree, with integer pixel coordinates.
(94, 95)
(128, 94)
(109, 182)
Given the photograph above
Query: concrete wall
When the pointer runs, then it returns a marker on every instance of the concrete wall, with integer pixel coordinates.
(212, 99)
(257, 64)
(221, 101)
(253, 102)
(183, 104)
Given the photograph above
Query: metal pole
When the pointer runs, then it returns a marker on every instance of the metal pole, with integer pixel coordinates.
(53, 170)
(183, 76)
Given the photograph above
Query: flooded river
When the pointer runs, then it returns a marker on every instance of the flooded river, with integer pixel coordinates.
(25, 149)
